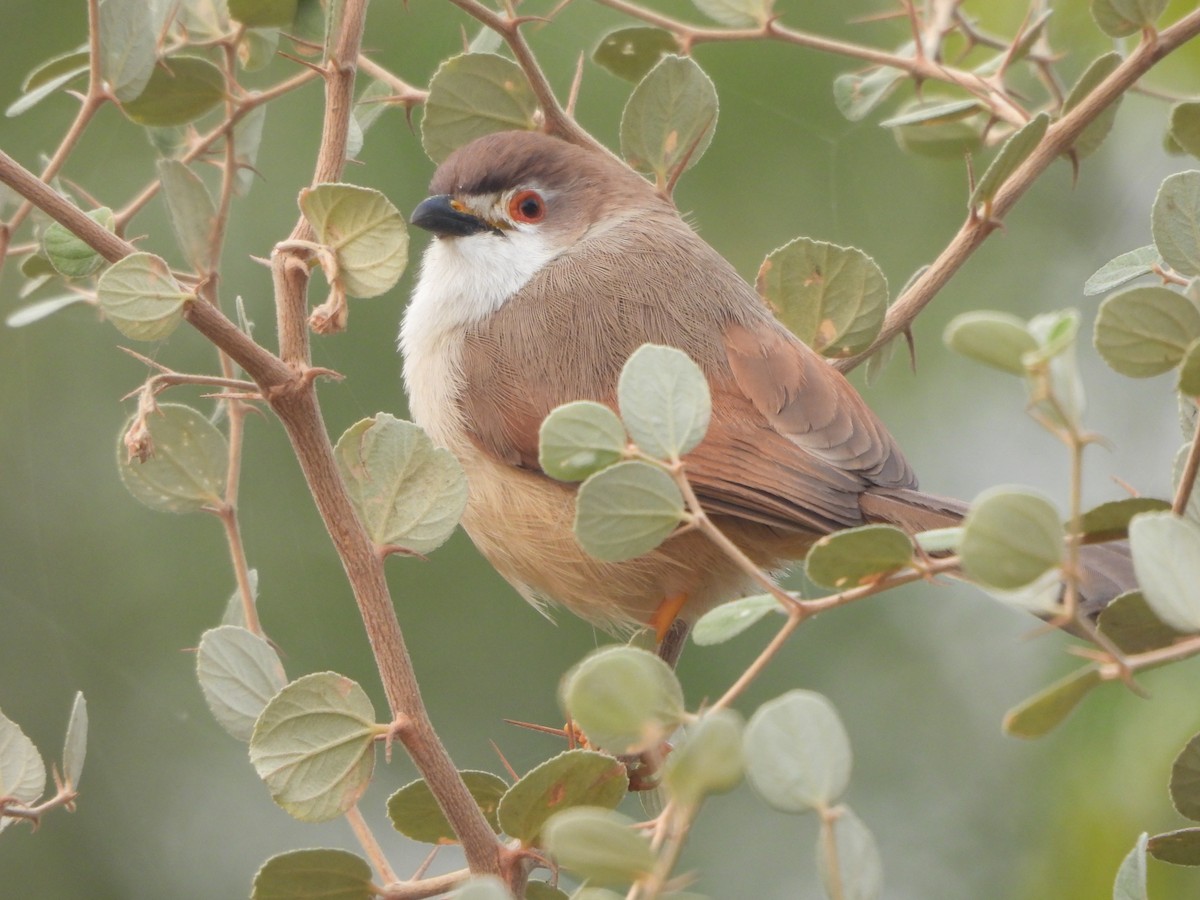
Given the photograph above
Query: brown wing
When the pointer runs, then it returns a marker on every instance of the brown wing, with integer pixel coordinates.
(791, 441)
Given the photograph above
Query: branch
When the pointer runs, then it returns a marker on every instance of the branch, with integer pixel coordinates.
(1058, 140)
(1187, 478)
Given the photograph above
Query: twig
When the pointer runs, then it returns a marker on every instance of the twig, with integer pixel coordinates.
(366, 839)
(1057, 141)
(1187, 478)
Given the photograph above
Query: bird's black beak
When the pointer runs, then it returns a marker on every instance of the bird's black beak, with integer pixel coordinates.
(442, 215)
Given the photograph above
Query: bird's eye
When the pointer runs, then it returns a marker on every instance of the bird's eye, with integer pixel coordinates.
(527, 206)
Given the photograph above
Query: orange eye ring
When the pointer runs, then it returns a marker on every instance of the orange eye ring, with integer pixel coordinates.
(527, 206)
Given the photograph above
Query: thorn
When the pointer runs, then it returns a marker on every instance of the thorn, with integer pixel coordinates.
(147, 361)
(911, 341)
(320, 70)
(575, 83)
(504, 762)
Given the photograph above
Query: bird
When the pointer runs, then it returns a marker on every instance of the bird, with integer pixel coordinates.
(551, 263)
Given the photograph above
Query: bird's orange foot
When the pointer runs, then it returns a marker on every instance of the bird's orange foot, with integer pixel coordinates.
(667, 612)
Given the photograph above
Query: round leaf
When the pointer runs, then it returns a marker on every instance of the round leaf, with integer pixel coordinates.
(190, 209)
(832, 298)
(1185, 126)
(709, 761)
(573, 778)
(1121, 270)
(415, 812)
(1145, 331)
(75, 743)
(730, 619)
(141, 298)
(630, 53)
(1010, 537)
(626, 510)
(187, 471)
(626, 700)
(858, 556)
(1097, 130)
(858, 93)
(22, 772)
(664, 401)
(540, 890)
(472, 95)
(128, 46)
(1185, 780)
(1166, 560)
(181, 89)
(1181, 847)
(364, 230)
(736, 13)
(578, 439)
(483, 887)
(408, 493)
(797, 752)
(1121, 18)
(314, 746)
(1130, 623)
(599, 845)
(1189, 371)
(1131, 877)
(1110, 521)
(239, 673)
(1047, 709)
(1175, 222)
(1014, 152)
(859, 866)
(314, 875)
(669, 120)
(70, 255)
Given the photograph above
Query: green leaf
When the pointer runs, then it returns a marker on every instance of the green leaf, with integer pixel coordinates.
(856, 556)
(1121, 18)
(1185, 126)
(70, 255)
(1189, 371)
(1110, 521)
(797, 752)
(856, 94)
(736, 13)
(364, 230)
(75, 743)
(239, 673)
(191, 211)
(996, 339)
(47, 78)
(932, 112)
(128, 46)
(664, 401)
(370, 105)
(669, 120)
(141, 297)
(1145, 331)
(1122, 270)
(626, 510)
(314, 875)
(1014, 152)
(1097, 130)
(257, 48)
(1130, 623)
(1175, 222)
(573, 778)
(599, 845)
(630, 53)
(408, 493)
(1180, 848)
(625, 699)
(1047, 709)
(415, 812)
(263, 13)
(189, 464)
(1010, 537)
(314, 746)
(1166, 560)
(482, 887)
(540, 890)
(22, 772)
(180, 90)
(35, 312)
(709, 760)
(832, 298)
(1185, 780)
(730, 619)
(472, 95)
(1131, 877)
(235, 609)
(578, 439)
(859, 866)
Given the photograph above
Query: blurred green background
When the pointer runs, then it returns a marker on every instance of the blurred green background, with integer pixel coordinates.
(99, 594)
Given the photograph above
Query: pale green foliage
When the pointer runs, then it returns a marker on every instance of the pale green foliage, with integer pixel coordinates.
(1175, 222)
(709, 759)
(191, 211)
(415, 813)
(857, 556)
(996, 339)
(190, 88)
(141, 297)
(473, 95)
(1166, 558)
(626, 510)
(69, 255)
(75, 743)
(1012, 536)
(598, 844)
(664, 401)
(578, 439)
(365, 233)
(630, 53)
(859, 869)
(730, 619)
(313, 875)
(1014, 152)
(239, 672)
(669, 120)
(187, 471)
(1047, 709)
(22, 772)
(573, 778)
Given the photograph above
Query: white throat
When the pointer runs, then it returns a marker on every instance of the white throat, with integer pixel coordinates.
(462, 280)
